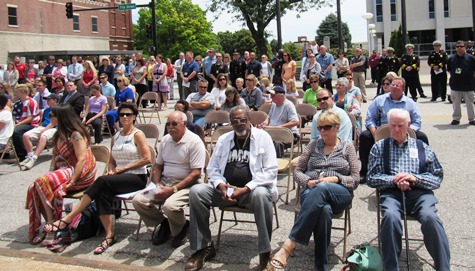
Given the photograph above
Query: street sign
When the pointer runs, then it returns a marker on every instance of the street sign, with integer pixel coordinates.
(127, 6)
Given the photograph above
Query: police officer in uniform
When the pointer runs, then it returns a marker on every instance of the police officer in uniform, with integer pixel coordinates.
(438, 72)
(381, 72)
(391, 62)
(237, 68)
(410, 70)
(470, 49)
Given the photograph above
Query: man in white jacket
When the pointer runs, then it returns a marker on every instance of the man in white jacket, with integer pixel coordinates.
(242, 172)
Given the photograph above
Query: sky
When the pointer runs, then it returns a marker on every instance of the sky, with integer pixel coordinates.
(293, 27)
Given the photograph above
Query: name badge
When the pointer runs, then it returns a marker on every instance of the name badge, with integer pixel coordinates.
(458, 71)
(185, 73)
(413, 153)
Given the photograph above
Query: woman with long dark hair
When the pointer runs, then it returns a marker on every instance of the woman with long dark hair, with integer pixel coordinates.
(73, 167)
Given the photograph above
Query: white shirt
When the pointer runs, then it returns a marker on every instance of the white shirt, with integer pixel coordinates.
(7, 131)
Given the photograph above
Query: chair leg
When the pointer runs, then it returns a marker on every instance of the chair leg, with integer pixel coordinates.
(378, 214)
(214, 214)
(345, 233)
(235, 218)
(126, 207)
(138, 229)
(276, 215)
(219, 230)
(288, 188)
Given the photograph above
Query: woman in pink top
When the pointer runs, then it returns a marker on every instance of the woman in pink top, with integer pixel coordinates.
(96, 109)
(31, 72)
(89, 76)
(160, 83)
(59, 72)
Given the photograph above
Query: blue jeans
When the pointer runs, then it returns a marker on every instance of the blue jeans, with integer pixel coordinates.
(318, 205)
(421, 205)
(199, 120)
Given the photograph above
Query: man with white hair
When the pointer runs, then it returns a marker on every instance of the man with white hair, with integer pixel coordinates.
(403, 168)
(181, 157)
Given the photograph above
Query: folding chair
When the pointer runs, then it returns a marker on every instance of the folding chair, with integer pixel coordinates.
(151, 132)
(293, 99)
(110, 102)
(305, 110)
(383, 132)
(265, 107)
(301, 93)
(212, 120)
(217, 133)
(10, 148)
(257, 117)
(189, 116)
(149, 97)
(354, 129)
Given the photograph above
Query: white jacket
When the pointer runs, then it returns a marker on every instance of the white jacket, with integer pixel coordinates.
(262, 161)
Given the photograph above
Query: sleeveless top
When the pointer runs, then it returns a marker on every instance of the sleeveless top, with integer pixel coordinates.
(124, 151)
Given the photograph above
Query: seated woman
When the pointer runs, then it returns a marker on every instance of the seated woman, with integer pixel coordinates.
(124, 94)
(95, 110)
(347, 101)
(310, 96)
(232, 99)
(328, 172)
(126, 173)
(73, 167)
(220, 86)
(291, 88)
(252, 95)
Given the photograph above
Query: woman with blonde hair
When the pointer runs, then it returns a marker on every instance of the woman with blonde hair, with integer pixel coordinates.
(290, 88)
(265, 86)
(89, 77)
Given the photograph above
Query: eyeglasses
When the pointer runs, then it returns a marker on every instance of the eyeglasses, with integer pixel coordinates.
(125, 115)
(313, 82)
(238, 121)
(173, 123)
(119, 81)
(222, 79)
(311, 56)
(323, 99)
(459, 46)
(102, 77)
(386, 84)
(203, 87)
(339, 85)
(325, 127)
(250, 80)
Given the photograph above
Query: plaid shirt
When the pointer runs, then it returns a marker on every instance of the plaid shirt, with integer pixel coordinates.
(342, 163)
(400, 160)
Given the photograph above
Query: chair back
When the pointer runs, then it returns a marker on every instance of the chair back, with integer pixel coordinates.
(306, 109)
(257, 117)
(149, 96)
(101, 154)
(216, 134)
(150, 167)
(383, 132)
(280, 134)
(293, 99)
(110, 102)
(301, 93)
(150, 131)
(217, 117)
(354, 130)
(265, 107)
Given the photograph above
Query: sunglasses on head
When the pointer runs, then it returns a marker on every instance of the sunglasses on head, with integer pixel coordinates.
(323, 99)
(173, 123)
(125, 114)
(325, 127)
(238, 121)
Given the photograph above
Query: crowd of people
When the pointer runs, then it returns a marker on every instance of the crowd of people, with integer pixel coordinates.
(48, 103)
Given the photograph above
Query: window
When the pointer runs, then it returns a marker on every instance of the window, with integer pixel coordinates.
(431, 9)
(379, 10)
(76, 22)
(446, 8)
(12, 17)
(94, 24)
(393, 11)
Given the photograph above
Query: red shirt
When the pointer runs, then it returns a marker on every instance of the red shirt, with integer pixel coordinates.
(30, 108)
(170, 70)
(87, 76)
(21, 70)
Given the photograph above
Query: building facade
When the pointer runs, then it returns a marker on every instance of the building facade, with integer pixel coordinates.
(41, 25)
(427, 20)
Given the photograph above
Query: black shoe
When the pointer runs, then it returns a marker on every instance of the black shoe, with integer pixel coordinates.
(196, 261)
(180, 239)
(472, 122)
(423, 96)
(434, 100)
(162, 235)
(414, 99)
(264, 260)
(455, 122)
(443, 100)
(365, 101)
(362, 179)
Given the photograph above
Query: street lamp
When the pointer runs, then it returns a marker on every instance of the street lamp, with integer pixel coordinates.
(372, 33)
(368, 16)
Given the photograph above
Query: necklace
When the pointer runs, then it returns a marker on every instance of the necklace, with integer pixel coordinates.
(244, 145)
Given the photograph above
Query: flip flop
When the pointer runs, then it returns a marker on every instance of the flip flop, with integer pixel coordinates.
(279, 264)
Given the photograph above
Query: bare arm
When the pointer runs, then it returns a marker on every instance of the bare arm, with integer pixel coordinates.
(146, 156)
(80, 149)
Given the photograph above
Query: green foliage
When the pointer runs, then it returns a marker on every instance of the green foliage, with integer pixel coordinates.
(328, 27)
(257, 14)
(397, 43)
(295, 50)
(274, 46)
(181, 26)
(240, 41)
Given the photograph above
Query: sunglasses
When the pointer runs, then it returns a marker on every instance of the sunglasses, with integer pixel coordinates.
(102, 77)
(249, 80)
(459, 46)
(70, 86)
(125, 115)
(173, 123)
(222, 79)
(313, 82)
(323, 99)
(386, 84)
(238, 121)
(203, 87)
(119, 81)
(325, 127)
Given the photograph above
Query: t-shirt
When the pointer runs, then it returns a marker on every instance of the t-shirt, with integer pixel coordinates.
(219, 96)
(7, 131)
(46, 117)
(254, 68)
(30, 108)
(122, 96)
(95, 104)
(282, 114)
(310, 96)
(237, 171)
(197, 97)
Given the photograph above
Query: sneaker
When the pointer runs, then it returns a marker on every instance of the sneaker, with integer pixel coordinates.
(27, 159)
(29, 164)
(455, 122)
(197, 260)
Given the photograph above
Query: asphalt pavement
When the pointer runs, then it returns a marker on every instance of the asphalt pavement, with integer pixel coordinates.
(238, 251)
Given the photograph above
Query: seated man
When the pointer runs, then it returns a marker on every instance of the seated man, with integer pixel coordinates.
(242, 172)
(107, 88)
(400, 166)
(201, 102)
(73, 97)
(282, 114)
(181, 157)
(42, 134)
(377, 116)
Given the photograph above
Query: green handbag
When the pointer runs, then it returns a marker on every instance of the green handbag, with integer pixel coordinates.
(364, 258)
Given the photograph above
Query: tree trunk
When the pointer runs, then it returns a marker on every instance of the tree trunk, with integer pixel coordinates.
(260, 44)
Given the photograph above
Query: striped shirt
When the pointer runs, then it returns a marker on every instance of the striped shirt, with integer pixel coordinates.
(403, 158)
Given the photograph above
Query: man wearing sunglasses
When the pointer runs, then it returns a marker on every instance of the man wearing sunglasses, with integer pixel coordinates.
(107, 88)
(180, 158)
(242, 172)
(325, 101)
(201, 102)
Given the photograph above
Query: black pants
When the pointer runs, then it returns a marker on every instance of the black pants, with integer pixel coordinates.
(438, 85)
(106, 187)
(411, 84)
(97, 126)
(367, 142)
(18, 139)
(374, 75)
(141, 89)
(327, 84)
(179, 81)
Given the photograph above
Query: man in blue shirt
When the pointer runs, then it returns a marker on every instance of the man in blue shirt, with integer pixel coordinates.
(208, 62)
(403, 165)
(107, 88)
(377, 116)
(189, 75)
(326, 61)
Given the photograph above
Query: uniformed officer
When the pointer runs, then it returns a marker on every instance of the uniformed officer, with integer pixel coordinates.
(381, 70)
(410, 70)
(237, 68)
(438, 72)
(391, 63)
(469, 47)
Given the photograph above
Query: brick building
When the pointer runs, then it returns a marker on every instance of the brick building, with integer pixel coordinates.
(41, 25)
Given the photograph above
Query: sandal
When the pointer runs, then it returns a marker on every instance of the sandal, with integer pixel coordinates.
(279, 264)
(39, 238)
(103, 247)
(55, 228)
(50, 239)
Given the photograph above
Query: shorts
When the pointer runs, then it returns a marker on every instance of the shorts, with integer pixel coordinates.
(34, 133)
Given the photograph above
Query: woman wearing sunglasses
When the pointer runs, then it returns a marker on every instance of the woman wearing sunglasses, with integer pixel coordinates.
(218, 90)
(123, 94)
(127, 173)
(327, 173)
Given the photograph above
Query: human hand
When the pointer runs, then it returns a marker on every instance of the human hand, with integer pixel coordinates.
(312, 183)
(239, 192)
(165, 193)
(223, 188)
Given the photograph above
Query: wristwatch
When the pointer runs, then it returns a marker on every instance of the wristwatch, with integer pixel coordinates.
(175, 189)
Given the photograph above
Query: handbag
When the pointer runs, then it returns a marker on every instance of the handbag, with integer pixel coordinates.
(363, 258)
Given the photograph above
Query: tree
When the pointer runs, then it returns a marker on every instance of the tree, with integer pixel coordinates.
(181, 26)
(328, 28)
(397, 43)
(257, 14)
(294, 49)
(240, 41)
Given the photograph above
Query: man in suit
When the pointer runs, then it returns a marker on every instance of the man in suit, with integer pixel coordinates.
(74, 98)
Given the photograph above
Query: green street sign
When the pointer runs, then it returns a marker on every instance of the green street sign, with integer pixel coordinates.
(127, 6)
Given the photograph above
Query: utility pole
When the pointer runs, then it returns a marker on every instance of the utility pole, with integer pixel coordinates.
(340, 34)
(403, 23)
(279, 29)
(154, 27)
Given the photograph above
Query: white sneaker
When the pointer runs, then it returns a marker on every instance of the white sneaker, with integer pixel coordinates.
(29, 164)
(27, 159)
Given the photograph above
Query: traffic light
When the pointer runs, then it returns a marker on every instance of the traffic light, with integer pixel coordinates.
(69, 10)
(149, 31)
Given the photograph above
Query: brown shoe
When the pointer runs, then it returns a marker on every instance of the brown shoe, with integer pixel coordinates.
(264, 260)
(180, 239)
(162, 235)
(196, 261)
